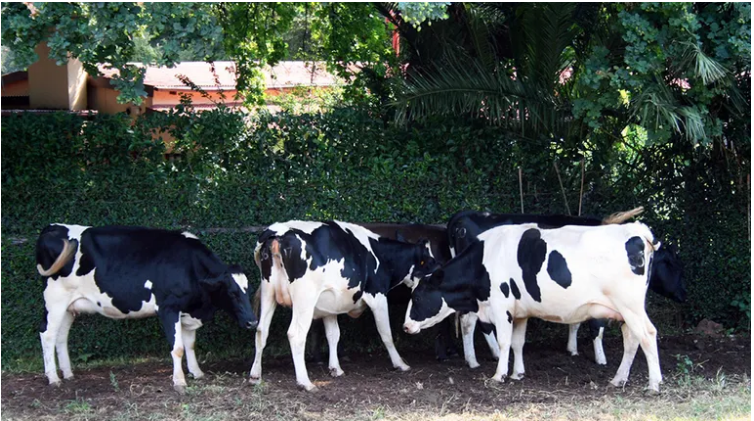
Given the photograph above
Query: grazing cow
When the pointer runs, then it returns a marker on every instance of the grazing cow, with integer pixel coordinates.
(134, 272)
(464, 228)
(563, 275)
(322, 269)
(413, 233)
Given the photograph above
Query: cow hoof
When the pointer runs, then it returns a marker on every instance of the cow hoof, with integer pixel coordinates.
(618, 382)
(180, 389)
(309, 388)
(652, 392)
(403, 367)
(517, 376)
(56, 383)
(67, 376)
(198, 375)
(601, 362)
(500, 379)
(574, 353)
(336, 372)
(255, 380)
(473, 365)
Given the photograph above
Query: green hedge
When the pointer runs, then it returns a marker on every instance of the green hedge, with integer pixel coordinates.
(233, 172)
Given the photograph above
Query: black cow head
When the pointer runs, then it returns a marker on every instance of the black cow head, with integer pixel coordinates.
(666, 274)
(427, 306)
(423, 263)
(231, 292)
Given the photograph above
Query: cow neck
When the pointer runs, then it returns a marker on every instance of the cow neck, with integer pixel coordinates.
(396, 259)
(465, 279)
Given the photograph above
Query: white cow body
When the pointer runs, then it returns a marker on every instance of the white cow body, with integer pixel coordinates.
(604, 283)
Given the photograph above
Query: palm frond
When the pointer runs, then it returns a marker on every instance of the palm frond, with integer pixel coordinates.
(702, 66)
(656, 109)
(466, 87)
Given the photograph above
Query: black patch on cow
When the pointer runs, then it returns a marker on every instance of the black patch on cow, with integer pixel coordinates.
(43, 324)
(265, 256)
(531, 254)
(357, 296)
(462, 283)
(99, 304)
(505, 289)
(510, 317)
(557, 268)
(514, 290)
(486, 328)
(635, 252)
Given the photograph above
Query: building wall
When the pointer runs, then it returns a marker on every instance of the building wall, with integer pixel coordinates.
(168, 97)
(20, 88)
(105, 100)
(56, 87)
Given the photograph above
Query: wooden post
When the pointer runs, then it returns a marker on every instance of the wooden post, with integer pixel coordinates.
(581, 194)
(521, 188)
(568, 208)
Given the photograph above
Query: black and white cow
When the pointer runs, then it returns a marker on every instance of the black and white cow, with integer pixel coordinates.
(437, 237)
(464, 228)
(134, 272)
(322, 269)
(563, 275)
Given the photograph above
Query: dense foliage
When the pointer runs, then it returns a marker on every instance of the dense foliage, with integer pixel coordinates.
(233, 172)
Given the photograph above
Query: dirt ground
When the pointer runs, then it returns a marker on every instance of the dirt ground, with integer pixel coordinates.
(370, 386)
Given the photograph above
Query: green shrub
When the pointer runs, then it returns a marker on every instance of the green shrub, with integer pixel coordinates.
(232, 171)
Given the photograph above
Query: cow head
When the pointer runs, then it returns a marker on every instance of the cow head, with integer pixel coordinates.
(666, 274)
(231, 292)
(423, 264)
(427, 306)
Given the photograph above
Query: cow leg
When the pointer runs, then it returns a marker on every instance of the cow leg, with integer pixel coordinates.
(61, 345)
(504, 337)
(630, 346)
(645, 334)
(517, 344)
(489, 336)
(597, 330)
(332, 331)
(378, 304)
(189, 339)
(48, 334)
(573, 333)
(303, 312)
(268, 306)
(468, 324)
(171, 324)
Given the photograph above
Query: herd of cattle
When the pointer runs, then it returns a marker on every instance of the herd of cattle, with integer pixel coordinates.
(495, 270)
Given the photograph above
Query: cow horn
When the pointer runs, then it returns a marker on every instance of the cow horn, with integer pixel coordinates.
(620, 217)
(61, 261)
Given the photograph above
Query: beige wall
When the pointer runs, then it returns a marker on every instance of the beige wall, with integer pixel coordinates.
(56, 87)
(105, 100)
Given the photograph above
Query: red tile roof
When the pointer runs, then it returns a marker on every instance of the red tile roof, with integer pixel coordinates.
(284, 74)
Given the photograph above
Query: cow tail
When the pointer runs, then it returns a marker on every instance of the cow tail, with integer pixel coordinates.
(65, 256)
(256, 301)
(621, 217)
(279, 282)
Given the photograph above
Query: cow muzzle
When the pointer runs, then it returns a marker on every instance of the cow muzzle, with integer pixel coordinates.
(251, 325)
(411, 327)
